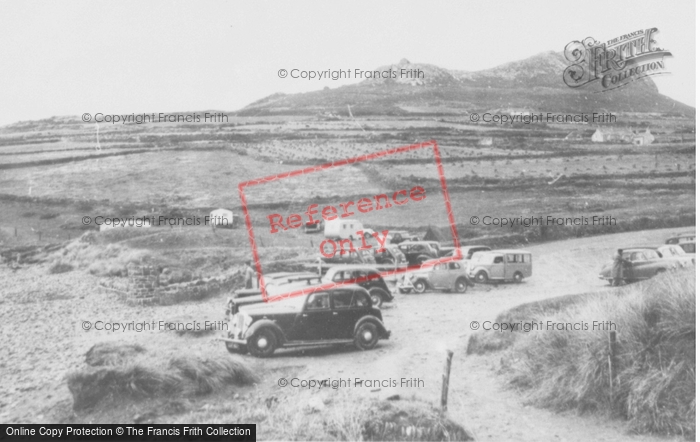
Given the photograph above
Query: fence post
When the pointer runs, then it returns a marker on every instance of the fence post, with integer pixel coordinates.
(446, 381)
(612, 339)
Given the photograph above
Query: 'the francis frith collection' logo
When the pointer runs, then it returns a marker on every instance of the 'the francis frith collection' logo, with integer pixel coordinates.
(615, 63)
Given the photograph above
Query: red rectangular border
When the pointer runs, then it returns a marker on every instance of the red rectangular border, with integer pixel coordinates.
(251, 236)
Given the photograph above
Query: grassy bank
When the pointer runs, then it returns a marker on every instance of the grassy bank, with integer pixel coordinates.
(653, 382)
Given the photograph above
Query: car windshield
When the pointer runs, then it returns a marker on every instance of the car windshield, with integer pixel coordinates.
(293, 303)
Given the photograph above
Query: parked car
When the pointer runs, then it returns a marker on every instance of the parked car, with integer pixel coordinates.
(367, 233)
(351, 257)
(317, 227)
(364, 276)
(417, 252)
(399, 236)
(343, 315)
(390, 254)
(468, 251)
(440, 250)
(442, 276)
(500, 265)
(685, 240)
(644, 263)
(675, 252)
(275, 284)
(276, 279)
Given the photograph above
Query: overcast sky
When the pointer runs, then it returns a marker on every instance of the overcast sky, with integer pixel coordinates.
(68, 58)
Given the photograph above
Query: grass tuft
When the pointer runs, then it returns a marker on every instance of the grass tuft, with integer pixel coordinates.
(185, 376)
(654, 363)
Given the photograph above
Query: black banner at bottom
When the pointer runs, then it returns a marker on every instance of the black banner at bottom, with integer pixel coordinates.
(164, 432)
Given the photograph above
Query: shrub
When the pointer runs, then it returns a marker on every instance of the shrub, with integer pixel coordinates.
(187, 375)
(654, 356)
(112, 353)
(60, 267)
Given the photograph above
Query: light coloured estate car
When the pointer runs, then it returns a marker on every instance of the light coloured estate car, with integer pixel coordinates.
(686, 241)
(676, 253)
(500, 265)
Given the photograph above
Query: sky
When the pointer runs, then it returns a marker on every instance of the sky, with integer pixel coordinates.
(69, 58)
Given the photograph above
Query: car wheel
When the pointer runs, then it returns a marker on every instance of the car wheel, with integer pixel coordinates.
(518, 277)
(482, 277)
(404, 291)
(366, 336)
(461, 285)
(263, 343)
(420, 286)
(377, 297)
(236, 348)
(368, 235)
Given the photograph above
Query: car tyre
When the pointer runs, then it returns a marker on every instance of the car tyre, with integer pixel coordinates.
(461, 285)
(518, 277)
(237, 349)
(366, 336)
(420, 286)
(377, 296)
(482, 277)
(263, 343)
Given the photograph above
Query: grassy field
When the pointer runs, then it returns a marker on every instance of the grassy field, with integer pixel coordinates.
(53, 174)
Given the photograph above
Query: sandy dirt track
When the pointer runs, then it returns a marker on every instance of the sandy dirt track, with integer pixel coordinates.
(42, 340)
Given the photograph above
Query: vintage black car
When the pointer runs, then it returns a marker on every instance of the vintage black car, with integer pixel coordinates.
(417, 252)
(365, 276)
(390, 254)
(343, 315)
(350, 257)
(275, 279)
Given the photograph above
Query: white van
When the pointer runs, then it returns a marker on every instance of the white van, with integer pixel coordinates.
(341, 228)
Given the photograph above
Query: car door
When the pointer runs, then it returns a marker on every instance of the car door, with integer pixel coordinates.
(343, 315)
(316, 320)
(497, 269)
(439, 277)
(639, 268)
(455, 270)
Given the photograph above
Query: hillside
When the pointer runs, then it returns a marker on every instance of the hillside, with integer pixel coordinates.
(534, 84)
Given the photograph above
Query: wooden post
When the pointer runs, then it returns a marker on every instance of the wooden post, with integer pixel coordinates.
(446, 381)
(612, 339)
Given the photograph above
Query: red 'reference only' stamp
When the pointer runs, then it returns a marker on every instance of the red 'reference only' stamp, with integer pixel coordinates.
(278, 221)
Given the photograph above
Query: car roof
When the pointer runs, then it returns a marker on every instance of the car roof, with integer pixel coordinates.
(506, 251)
(352, 267)
(278, 275)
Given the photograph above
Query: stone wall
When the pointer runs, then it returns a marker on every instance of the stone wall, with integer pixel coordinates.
(150, 285)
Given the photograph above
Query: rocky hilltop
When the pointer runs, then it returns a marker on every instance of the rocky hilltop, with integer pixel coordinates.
(533, 84)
